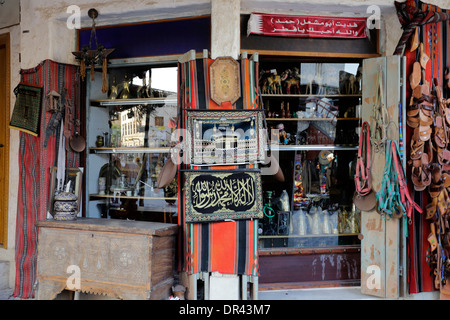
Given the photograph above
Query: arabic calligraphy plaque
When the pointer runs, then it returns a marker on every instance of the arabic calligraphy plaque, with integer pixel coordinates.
(225, 80)
(222, 195)
(307, 26)
(225, 137)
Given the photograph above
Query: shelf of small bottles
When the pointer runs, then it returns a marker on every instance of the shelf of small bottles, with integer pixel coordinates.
(132, 102)
(320, 147)
(128, 150)
(110, 196)
(312, 119)
(267, 95)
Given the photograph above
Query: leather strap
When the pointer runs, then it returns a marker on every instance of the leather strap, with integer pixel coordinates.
(394, 194)
(380, 117)
(363, 163)
(404, 192)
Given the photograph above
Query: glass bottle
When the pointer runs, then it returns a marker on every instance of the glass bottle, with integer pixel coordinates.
(288, 113)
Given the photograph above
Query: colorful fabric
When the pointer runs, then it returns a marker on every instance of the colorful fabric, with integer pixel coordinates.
(224, 247)
(411, 17)
(434, 34)
(35, 162)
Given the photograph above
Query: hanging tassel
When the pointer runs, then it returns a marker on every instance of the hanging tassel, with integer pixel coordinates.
(92, 72)
(83, 70)
(104, 75)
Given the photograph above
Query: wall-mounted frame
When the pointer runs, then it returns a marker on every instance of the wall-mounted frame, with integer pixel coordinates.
(225, 137)
(225, 80)
(75, 175)
(218, 195)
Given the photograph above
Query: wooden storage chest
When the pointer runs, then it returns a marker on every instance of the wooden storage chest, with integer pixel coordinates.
(127, 260)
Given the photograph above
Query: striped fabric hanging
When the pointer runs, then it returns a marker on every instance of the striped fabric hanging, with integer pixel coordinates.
(35, 162)
(224, 247)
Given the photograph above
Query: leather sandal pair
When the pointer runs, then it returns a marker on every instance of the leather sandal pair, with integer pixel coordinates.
(420, 160)
(440, 132)
(420, 111)
(438, 194)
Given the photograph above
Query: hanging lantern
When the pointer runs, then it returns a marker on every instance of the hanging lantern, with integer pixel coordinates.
(89, 57)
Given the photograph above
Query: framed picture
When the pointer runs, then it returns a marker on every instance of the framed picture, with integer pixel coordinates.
(224, 137)
(223, 195)
(26, 115)
(225, 80)
(75, 175)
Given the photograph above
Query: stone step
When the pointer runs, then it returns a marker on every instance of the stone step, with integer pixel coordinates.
(4, 275)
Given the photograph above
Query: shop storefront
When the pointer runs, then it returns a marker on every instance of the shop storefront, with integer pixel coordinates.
(237, 171)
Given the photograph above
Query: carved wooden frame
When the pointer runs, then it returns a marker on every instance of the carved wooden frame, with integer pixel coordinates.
(225, 80)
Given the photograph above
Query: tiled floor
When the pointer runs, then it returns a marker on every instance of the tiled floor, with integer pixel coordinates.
(350, 293)
(345, 293)
(6, 294)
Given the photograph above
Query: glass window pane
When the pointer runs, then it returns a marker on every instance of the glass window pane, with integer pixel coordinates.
(320, 116)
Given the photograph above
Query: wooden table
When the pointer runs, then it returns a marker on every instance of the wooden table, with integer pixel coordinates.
(122, 259)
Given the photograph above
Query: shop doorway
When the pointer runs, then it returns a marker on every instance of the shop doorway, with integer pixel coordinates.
(4, 136)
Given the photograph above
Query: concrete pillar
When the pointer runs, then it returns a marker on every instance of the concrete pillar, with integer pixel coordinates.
(225, 28)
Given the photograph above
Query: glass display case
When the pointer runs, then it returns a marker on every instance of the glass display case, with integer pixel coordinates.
(315, 106)
(129, 133)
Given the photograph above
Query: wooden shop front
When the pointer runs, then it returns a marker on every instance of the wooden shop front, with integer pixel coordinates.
(301, 230)
(312, 234)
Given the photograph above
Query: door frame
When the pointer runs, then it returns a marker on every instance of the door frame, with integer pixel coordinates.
(5, 42)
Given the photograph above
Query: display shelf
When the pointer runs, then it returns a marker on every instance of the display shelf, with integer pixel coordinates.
(321, 147)
(111, 196)
(132, 102)
(308, 251)
(124, 150)
(273, 148)
(313, 119)
(266, 95)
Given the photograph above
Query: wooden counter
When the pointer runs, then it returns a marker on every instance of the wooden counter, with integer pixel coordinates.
(128, 260)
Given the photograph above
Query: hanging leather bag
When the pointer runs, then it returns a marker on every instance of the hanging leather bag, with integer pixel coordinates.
(168, 172)
(170, 168)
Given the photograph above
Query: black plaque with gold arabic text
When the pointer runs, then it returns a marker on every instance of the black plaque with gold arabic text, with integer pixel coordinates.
(223, 195)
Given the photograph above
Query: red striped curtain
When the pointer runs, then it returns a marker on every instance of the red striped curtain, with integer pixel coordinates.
(224, 247)
(35, 162)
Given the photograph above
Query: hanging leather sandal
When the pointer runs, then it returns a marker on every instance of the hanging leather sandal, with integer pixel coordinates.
(440, 132)
(415, 76)
(417, 146)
